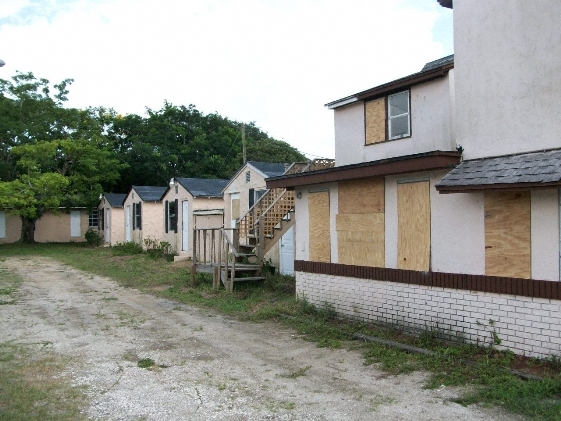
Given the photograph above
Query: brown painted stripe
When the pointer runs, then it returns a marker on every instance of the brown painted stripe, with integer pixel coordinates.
(465, 282)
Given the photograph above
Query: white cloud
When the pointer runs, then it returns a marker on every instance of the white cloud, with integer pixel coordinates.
(269, 61)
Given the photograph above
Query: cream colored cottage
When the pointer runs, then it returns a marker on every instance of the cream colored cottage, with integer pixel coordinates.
(111, 218)
(189, 204)
(144, 214)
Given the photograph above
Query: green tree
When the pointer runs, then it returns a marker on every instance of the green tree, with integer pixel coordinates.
(54, 174)
(182, 141)
(32, 110)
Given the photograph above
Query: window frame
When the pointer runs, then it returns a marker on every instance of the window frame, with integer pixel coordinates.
(93, 218)
(390, 117)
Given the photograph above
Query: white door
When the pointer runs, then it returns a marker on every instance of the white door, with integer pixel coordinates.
(2, 224)
(234, 209)
(108, 226)
(184, 225)
(128, 232)
(75, 224)
(287, 253)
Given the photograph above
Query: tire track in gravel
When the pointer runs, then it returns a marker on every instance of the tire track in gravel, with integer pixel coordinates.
(212, 368)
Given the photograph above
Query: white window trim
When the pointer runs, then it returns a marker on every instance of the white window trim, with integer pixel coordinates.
(390, 117)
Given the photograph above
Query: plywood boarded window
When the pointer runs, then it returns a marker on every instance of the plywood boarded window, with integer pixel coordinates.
(413, 218)
(375, 117)
(360, 223)
(235, 208)
(320, 238)
(507, 234)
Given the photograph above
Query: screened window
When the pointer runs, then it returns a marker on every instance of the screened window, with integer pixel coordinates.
(93, 218)
(171, 216)
(398, 115)
(137, 216)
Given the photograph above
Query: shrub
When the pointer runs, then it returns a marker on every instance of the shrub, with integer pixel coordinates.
(127, 248)
(94, 237)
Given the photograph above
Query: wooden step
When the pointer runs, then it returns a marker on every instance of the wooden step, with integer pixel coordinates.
(250, 278)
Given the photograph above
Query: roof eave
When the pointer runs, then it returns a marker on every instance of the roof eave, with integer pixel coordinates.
(391, 166)
(498, 187)
(392, 86)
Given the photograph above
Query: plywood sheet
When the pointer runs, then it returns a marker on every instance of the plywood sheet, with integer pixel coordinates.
(320, 239)
(361, 239)
(507, 234)
(235, 209)
(413, 214)
(375, 116)
(361, 196)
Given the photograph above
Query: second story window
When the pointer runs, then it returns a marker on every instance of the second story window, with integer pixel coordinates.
(398, 115)
(387, 118)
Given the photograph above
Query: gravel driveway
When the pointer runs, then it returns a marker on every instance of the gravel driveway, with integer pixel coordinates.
(210, 367)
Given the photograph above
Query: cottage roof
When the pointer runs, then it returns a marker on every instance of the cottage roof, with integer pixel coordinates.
(431, 70)
(269, 169)
(150, 193)
(116, 200)
(203, 187)
(521, 171)
(446, 3)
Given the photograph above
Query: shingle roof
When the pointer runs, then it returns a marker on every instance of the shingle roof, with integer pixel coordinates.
(535, 169)
(431, 65)
(150, 193)
(203, 186)
(270, 169)
(115, 199)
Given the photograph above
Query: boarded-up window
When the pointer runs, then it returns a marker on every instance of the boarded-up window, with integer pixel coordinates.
(235, 208)
(360, 223)
(507, 234)
(320, 239)
(375, 116)
(413, 218)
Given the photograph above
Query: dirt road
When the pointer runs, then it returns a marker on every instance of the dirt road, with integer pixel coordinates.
(211, 368)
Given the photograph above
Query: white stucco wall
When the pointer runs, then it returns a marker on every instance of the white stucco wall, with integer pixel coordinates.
(457, 227)
(431, 126)
(152, 219)
(507, 62)
(545, 234)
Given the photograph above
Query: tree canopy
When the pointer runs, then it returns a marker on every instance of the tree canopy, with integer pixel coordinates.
(182, 141)
(52, 156)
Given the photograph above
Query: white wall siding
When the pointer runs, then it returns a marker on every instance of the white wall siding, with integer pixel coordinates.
(545, 235)
(349, 134)
(529, 326)
(507, 63)
(431, 111)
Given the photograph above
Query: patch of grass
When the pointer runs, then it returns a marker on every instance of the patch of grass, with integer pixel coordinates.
(33, 389)
(146, 363)
(484, 369)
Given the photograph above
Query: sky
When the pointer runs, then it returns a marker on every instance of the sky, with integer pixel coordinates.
(272, 62)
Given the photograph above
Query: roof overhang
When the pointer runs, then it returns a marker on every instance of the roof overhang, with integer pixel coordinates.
(391, 166)
(392, 87)
(446, 3)
(526, 171)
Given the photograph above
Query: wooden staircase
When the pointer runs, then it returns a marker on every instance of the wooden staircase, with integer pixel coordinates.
(235, 255)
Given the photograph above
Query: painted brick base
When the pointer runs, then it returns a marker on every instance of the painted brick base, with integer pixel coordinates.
(525, 325)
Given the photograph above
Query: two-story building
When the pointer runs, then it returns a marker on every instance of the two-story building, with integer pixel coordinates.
(442, 210)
